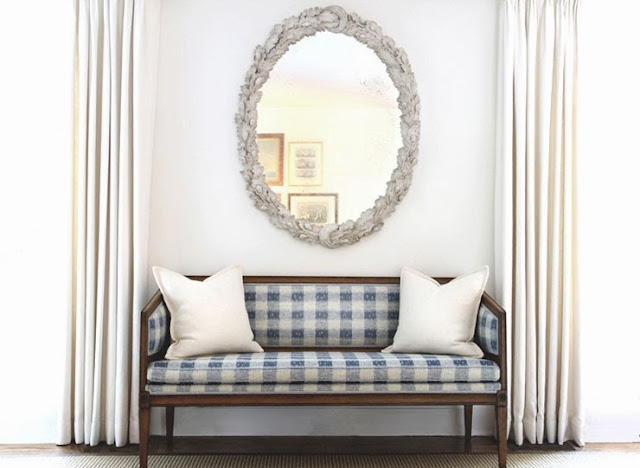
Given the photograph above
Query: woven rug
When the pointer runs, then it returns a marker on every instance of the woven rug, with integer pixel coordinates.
(517, 460)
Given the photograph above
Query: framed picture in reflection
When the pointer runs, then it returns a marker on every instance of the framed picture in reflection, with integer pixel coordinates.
(305, 163)
(318, 208)
(271, 156)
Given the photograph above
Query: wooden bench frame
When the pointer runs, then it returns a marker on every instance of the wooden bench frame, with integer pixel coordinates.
(468, 400)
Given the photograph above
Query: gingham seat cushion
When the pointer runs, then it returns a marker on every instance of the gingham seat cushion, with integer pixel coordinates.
(434, 387)
(322, 367)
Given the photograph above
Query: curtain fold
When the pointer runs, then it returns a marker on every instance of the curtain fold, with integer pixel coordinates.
(115, 76)
(535, 215)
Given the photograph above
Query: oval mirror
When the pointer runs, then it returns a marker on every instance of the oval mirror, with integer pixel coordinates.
(328, 126)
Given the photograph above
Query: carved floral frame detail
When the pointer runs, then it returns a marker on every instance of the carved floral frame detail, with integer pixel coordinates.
(282, 36)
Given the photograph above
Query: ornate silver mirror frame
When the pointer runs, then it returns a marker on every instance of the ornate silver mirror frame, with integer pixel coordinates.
(282, 36)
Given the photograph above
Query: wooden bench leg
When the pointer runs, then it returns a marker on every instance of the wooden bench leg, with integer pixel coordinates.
(145, 414)
(170, 412)
(501, 426)
(468, 422)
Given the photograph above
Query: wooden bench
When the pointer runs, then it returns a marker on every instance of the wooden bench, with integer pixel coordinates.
(322, 338)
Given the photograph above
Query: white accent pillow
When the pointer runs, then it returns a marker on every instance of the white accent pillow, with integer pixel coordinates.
(438, 319)
(207, 317)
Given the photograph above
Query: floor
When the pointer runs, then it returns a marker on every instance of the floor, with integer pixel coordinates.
(308, 445)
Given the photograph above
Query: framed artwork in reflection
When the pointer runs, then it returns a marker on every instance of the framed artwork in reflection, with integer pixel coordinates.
(319, 208)
(305, 163)
(271, 156)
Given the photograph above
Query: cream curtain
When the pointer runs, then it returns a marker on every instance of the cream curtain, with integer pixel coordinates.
(535, 217)
(116, 67)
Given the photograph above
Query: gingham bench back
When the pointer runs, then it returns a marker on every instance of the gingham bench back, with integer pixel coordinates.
(342, 315)
(323, 314)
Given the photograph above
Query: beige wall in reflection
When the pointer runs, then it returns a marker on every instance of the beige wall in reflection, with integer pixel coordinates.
(360, 146)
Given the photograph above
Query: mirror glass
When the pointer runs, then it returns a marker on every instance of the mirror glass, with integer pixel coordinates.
(328, 128)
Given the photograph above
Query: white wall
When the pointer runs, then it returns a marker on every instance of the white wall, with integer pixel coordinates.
(609, 227)
(36, 97)
(445, 222)
(202, 218)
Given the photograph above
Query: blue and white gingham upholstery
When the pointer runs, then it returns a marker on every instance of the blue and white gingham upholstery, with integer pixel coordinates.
(346, 315)
(158, 323)
(487, 331)
(435, 387)
(317, 315)
(322, 367)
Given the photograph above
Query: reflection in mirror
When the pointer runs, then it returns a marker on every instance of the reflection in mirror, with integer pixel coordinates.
(328, 128)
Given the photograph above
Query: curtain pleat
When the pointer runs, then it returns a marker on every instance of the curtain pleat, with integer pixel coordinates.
(535, 200)
(114, 109)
